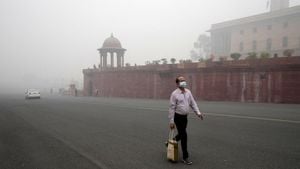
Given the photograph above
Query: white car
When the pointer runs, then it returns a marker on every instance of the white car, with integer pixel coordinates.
(32, 93)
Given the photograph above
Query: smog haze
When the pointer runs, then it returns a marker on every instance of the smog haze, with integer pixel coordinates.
(48, 42)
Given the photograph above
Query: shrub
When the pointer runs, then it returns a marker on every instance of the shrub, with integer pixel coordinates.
(201, 60)
(264, 55)
(223, 58)
(252, 55)
(188, 61)
(235, 56)
(164, 61)
(288, 52)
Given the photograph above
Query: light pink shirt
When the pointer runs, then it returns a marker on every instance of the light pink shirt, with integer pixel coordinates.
(181, 102)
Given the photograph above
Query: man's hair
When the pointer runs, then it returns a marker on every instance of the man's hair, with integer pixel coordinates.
(177, 79)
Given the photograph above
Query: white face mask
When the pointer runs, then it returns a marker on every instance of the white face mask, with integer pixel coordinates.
(183, 84)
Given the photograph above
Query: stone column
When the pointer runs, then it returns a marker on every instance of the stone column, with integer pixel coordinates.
(111, 59)
(118, 59)
(122, 58)
(101, 57)
(104, 60)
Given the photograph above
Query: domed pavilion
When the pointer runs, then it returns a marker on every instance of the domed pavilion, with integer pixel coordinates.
(113, 47)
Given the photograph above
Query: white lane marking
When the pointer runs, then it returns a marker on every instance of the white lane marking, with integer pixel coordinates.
(254, 118)
(241, 117)
(211, 114)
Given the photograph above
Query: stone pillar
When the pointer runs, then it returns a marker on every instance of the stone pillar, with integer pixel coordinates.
(111, 59)
(121, 58)
(118, 59)
(101, 57)
(104, 59)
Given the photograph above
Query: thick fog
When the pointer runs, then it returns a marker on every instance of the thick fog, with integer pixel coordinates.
(47, 43)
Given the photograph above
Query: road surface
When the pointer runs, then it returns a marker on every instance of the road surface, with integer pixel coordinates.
(60, 132)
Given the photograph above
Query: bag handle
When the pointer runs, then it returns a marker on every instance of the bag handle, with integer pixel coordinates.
(171, 134)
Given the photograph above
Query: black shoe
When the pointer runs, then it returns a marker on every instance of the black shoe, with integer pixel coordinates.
(187, 161)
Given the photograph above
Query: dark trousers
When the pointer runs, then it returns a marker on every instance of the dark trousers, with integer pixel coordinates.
(181, 124)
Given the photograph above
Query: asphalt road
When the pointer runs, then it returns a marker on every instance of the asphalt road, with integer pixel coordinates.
(59, 132)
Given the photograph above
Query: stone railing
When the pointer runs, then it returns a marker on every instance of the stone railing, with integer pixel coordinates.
(207, 64)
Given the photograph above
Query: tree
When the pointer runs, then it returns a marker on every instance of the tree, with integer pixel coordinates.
(288, 52)
(173, 60)
(194, 55)
(203, 46)
(235, 56)
(204, 43)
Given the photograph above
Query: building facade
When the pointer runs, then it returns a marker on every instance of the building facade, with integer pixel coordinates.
(272, 32)
(272, 80)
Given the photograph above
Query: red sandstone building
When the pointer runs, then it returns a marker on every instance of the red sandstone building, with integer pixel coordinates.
(275, 80)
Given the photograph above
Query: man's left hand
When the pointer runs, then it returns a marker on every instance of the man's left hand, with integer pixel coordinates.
(200, 115)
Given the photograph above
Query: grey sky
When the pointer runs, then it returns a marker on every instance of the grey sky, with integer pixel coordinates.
(53, 40)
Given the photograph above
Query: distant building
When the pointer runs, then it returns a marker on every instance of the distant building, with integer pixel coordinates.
(274, 80)
(271, 32)
(279, 4)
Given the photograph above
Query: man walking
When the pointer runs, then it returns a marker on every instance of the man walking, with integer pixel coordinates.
(181, 101)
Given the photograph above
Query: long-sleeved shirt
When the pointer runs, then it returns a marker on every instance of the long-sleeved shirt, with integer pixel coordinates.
(181, 102)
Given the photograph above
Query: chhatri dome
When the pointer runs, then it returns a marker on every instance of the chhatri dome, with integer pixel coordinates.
(111, 48)
(111, 42)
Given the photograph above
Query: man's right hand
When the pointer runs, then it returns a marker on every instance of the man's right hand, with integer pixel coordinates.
(172, 126)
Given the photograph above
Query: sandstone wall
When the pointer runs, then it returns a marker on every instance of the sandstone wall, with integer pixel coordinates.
(275, 80)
